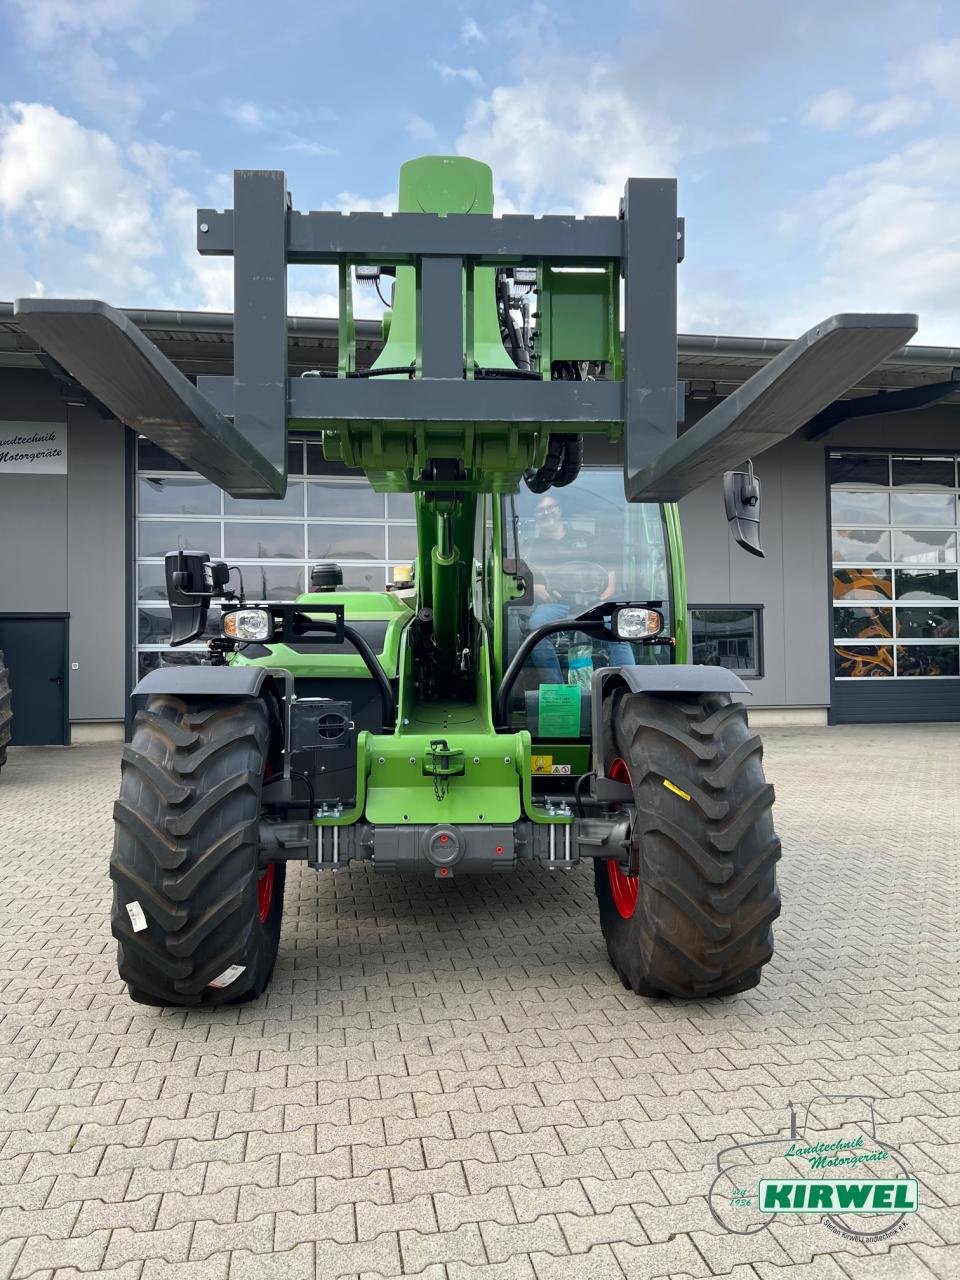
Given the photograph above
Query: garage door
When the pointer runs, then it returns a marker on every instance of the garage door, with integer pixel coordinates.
(896, 644)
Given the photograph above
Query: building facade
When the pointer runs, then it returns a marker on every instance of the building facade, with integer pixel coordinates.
(851, 616)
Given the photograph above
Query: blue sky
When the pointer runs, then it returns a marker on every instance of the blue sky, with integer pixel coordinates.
(817, 145)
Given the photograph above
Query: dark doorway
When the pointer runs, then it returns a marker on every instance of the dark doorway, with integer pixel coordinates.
(35, 645)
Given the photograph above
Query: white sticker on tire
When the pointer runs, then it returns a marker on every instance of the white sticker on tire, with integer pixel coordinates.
(228, 976)
(137, 918)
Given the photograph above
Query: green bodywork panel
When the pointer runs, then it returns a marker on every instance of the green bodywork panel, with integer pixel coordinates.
(445, 184)
(678, 583)
(359, 606)
(401, 787)
(580, 315)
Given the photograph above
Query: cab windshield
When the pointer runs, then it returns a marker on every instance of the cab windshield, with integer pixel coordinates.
(583, 544)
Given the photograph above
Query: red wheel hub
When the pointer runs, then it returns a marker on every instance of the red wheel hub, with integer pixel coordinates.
(265, 891)
(623, 888)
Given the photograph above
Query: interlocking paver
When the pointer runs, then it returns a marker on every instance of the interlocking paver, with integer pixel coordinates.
(402, 1155)
(515, 1269)
(495, 1206)
(219, 1206)
(599, 1263)
(530, 1202)
(583, 1231)
(449, 1179)
(449, 1080)
(138, 1215)
(506, 1241)
(31, 1195)
(899, 1264)
(463, 1244)
(126, 1245)
(339, 1224)
(292, 1264)
(209, 1238)
(214, 1268)
(381, 1255)
(679, 1257)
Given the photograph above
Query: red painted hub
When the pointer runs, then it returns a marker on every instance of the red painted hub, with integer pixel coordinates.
(623, 888)
(265, 891)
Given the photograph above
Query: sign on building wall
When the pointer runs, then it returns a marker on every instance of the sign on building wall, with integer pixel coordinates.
(36, 447)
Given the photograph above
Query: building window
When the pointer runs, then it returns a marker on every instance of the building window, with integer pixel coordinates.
(328, 513)
(895, 521)
(727, 636)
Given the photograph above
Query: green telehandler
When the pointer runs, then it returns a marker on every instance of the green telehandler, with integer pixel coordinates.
(525, 694)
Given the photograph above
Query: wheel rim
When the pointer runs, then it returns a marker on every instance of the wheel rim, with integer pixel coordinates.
(265, 892)
(623, 888)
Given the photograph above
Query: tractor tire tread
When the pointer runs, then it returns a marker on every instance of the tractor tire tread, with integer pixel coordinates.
(186, 849)
(707, 890)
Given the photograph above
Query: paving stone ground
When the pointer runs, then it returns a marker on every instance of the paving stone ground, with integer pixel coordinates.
(447, 1080)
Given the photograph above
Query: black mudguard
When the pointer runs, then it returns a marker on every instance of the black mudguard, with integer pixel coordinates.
(210, 682)
(673, 678)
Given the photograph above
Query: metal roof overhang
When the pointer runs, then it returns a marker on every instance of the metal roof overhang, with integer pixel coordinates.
(201, 342)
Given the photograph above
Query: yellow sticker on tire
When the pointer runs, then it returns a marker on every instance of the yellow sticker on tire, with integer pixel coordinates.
(677, 791)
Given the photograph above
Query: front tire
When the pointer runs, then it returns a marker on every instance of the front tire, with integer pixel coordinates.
(694, 919)
(196, 918)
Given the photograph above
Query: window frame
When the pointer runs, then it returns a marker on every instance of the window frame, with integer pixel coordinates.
(757, 610)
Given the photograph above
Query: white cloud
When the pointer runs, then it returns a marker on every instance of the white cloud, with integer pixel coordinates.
(305, 147)
(352, 202)
(285, 125)
(78, 42)
(831, 109)
(567, 142)
(837, 109)
(888, 238)
(892, 113)
(138, 23)
(64, 176)
(470, 33)
(719, 302)
(247, 114)
(84, 216)
(421, 130)
(939, 65)
(470, 74)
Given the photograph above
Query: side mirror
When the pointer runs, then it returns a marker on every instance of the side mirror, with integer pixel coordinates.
(741, 499)
(190, 585)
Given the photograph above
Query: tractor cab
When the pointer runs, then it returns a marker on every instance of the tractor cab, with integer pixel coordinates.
(575, 548)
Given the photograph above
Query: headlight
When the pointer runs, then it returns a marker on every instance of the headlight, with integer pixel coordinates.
(248, 624)
(637, 624)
